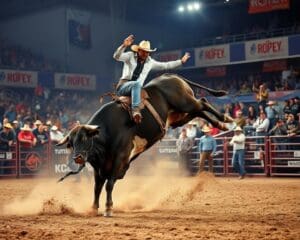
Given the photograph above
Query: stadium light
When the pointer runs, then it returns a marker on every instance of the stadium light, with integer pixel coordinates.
(190, 7)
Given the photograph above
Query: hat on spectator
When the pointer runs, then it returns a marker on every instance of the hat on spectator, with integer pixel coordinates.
(205, 129)
(15, 122)
(54, 128)
(26, 128)
(49, 123)
(8, 125)
(271, 103)
(238, 128)
(37, 122)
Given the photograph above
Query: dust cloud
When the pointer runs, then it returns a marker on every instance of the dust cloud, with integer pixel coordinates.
(159, 187)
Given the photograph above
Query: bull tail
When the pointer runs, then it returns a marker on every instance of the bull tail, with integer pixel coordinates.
(72, 173)
(216, 93)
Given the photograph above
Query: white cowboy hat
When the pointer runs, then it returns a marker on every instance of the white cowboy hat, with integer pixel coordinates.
(144, 45)
(26, 128)
(271, 103)
(8, 125)
(54, 128)
(205, 129)
(37, 122)
(238, 128)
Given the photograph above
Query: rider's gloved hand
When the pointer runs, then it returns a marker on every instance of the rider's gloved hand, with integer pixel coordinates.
(128, 41)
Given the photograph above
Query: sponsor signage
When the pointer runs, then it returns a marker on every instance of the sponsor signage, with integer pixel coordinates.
(75, 81)
(15, 78)
(168, 56)
(275, 66)
(266, 49)
(259, 6)
(211, 56)
(215, 71)
(294, 163)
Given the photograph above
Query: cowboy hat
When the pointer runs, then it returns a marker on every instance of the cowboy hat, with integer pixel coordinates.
(205, 129)
(37, 122)
(26, 128)
(54, 128)
(8, 125)
(271, 103)
(238, 128)
(144, 45)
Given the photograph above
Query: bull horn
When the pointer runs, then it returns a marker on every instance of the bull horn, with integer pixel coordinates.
(92, 127)
(63, 141)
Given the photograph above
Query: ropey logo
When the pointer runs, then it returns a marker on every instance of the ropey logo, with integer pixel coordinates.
(269, 46)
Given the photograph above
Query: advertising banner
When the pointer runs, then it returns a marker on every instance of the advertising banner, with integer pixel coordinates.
(259, 6)
(215, 71)
(266, 49)
(274, 66)
(212, 55)
(168, 56)
(15, 78)
(75, 81)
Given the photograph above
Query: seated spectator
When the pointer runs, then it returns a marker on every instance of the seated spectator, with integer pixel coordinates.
(26, 138)
(245, 89)
(16, 129)
(55, 135)
(6, 138)
(240, 120)
(251, 116)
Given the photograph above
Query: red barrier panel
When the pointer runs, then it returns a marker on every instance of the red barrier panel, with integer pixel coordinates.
(284, 154)
(9, 163)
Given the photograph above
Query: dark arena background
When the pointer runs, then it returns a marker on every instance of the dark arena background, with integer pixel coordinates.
(56, 61)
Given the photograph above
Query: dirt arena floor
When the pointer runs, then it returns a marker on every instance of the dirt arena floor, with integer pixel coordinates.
(158, 206)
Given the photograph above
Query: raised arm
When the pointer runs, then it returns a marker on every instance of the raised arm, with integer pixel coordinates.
(171, 64)
(120, 54)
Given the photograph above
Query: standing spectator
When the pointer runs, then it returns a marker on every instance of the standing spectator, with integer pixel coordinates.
(240, 120)
(16, 128)
(238, 142)
(41, 138)
(271, 114)
(279, 130)
(11, 113)
(262, 94)
(293, 129)
(26, 138)
(295, 107)
(261, 125)
(55, 135)
(184, 145)
(207, 147)
(191, 130)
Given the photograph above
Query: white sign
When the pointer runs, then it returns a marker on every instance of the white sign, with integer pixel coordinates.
(75, 81)
(267, 48)
(294, 163)
(16, 78)
(212, 56)
(296, 154)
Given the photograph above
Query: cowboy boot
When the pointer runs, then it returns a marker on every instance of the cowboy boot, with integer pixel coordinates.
(136, 115)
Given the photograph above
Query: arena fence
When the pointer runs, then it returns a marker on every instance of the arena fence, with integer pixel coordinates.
(264, 156)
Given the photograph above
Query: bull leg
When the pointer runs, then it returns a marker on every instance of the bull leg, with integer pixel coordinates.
(109, 203)
(214, 122)
(222, 117)
(99, 182)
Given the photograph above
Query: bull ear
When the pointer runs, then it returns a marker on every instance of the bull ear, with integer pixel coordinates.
(63, 141)
(92, 130)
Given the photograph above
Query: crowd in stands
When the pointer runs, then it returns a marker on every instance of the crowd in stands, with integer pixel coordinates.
(17, 57)
(36, 117)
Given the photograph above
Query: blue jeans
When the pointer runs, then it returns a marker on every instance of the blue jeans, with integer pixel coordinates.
(238, 161)
(133, 89)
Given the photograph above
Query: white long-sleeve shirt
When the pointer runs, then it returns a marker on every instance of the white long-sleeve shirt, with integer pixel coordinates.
(130, 62)
(261, 125)
(238, 142)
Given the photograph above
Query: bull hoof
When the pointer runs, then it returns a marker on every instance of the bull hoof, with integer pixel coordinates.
(93, 212)
(108, 213)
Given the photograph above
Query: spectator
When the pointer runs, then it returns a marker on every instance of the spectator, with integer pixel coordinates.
(262, 94)
(6, 138)
(295, 107)
(279, 130)
(238, 143)
(41, 137)
(191, 130)
(271, 114)
(184, 145)
(55, 135)
(251, 114)
(261, 125)
(207, 147)
(240, 120)
(26, 138)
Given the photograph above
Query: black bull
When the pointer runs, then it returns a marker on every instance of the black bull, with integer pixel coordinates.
(111, 140)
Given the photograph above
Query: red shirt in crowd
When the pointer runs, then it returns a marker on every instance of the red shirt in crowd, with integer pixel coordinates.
(26, 135)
